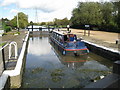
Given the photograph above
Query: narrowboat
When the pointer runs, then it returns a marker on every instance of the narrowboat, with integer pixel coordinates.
(68, 43)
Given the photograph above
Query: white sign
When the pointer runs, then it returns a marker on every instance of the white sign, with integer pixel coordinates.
(87, 26)
(1, 32)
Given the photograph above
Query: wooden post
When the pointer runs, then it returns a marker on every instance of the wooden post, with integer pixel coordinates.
(84, 32)
(3, 57)
(88, 32)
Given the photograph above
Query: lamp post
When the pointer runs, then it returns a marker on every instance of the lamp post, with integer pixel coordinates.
(68, 27)
(31, 23)
(17, 22)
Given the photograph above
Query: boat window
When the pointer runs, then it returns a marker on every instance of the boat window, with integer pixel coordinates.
(72, 37)
(65, 38)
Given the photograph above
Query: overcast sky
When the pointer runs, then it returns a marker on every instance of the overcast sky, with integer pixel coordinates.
(47, 10)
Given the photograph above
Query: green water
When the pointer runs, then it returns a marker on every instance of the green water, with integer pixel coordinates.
(47, 68)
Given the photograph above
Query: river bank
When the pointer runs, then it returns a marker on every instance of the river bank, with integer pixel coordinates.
(106, 39)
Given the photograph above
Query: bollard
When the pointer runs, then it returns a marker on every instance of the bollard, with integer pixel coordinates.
(117, 41)
(40, 29)
(89, 32)
(84, 32)
(3, 55)
(116, 67)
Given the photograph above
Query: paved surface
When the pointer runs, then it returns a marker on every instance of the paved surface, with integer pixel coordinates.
(10, 64)
(102, 38)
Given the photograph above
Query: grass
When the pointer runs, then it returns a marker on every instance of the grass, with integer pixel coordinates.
(2, 44)
(12, 33)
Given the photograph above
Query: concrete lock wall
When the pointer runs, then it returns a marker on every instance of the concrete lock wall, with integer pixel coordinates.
(16, 74)
(112, 80)
(17, 80)
(103, 51)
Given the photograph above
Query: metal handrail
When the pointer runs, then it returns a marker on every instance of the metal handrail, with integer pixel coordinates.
(4, 46)
(2, 49)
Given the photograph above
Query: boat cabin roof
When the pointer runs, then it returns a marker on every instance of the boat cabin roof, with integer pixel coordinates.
(61, 32)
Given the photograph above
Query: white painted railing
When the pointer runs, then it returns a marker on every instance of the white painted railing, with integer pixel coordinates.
(10, 46)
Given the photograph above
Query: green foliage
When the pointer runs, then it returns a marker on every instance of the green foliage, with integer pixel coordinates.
(56, 22)
(2, 44)
(22, 20)
(8, 28)
(5, 25)
(100, 15)
(43, 23)
(61, 22)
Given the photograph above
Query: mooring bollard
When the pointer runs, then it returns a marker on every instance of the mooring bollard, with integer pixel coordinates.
(117, 41)
(40, 28)
(3, 57)
(116, 67)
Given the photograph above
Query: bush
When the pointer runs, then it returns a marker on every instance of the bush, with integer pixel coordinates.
(8, 28)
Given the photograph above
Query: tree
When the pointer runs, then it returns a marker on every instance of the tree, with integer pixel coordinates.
(61, 22)
(43, 23)
(5, 25)
(87, 13)
(101, 15)
(22, 19)
(117, 5)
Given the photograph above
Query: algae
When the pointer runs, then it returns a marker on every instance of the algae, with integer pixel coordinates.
(57, 75)
(36, 70)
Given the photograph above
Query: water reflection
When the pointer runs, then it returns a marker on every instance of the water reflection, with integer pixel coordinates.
(46, 67)
(85, 60)
(36, 46)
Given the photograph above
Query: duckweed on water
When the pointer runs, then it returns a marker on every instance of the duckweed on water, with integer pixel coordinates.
(57, 75)
(57, 72)
(92, 70)
(37, 70)
(56, 79)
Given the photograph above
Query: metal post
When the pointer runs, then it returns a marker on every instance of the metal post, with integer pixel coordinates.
(3, 56)
(40, 29)
(18, 29)
(48, 28)
(68, 27)
(32, 27)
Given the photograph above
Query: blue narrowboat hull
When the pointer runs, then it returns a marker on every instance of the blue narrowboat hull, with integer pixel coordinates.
(69, 48)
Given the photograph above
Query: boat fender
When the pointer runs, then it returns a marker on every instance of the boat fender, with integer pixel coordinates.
(64, 52)
(88, 51)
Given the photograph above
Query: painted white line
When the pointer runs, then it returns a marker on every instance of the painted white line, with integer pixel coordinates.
(109, 49)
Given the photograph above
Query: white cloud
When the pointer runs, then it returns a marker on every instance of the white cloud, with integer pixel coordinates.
(48, 9)
(8, 2)
(13, 11)
(38, 48)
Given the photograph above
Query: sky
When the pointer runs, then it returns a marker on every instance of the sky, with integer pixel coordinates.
(47, 10)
